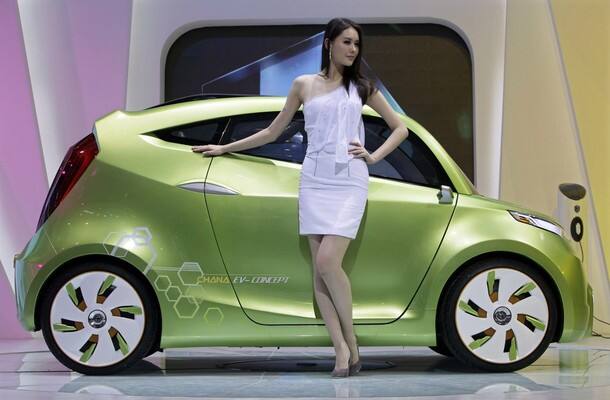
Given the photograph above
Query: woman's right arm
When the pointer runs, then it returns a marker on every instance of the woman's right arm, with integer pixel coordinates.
(264, 136)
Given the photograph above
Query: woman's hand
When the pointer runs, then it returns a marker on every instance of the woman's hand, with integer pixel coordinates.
(209, 149)
(360, 152)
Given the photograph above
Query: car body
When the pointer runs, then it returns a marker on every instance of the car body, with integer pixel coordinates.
(214, 244)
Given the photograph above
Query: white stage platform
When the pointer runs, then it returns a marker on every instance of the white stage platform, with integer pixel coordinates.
(571, 371)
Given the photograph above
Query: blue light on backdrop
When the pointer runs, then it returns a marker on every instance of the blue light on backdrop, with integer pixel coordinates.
(276, 71)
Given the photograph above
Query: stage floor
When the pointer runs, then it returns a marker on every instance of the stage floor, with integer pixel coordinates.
(571, 371)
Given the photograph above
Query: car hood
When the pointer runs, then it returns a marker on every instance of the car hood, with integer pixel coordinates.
(507, 205)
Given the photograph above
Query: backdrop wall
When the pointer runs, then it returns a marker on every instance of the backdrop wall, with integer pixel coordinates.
(540, 89)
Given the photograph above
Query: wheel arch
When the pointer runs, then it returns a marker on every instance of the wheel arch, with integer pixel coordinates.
(108, 259)
(511, 256)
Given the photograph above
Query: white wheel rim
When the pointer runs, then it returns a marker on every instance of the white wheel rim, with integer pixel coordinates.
(94, 330)
(502, 315)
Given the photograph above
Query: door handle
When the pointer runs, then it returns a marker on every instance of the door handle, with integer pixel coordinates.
(207, 187)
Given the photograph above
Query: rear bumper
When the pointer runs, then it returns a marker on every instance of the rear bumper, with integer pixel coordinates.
(30, 268)
(21, 288)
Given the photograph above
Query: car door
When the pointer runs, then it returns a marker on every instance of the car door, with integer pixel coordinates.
(186, 254)
(403, 226)
(252, 202)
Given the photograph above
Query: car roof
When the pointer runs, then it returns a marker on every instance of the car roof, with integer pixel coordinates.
(204, 96)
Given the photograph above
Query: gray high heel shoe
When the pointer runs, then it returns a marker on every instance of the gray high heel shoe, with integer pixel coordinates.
(341, 372)
(357, 366)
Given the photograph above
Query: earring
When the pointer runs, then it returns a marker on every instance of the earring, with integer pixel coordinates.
(330, 54)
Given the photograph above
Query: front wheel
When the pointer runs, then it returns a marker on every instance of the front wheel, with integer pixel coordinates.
(441, 349)
(98, 318)
(499, 315)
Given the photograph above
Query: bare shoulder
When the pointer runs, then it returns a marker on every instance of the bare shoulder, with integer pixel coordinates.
(301, 82)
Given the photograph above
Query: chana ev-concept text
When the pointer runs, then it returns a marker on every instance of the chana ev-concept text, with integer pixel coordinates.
(143, 245)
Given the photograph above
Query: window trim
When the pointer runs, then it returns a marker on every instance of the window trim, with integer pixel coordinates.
(163, 133)
(261, 115)
(444, 179)
(437, 164)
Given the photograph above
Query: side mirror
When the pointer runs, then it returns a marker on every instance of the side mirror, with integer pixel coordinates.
(445, 195)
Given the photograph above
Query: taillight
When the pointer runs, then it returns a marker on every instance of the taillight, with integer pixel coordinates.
(76, 161)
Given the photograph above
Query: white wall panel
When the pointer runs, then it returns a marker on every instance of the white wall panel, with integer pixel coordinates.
(53, 73)
(541, 144)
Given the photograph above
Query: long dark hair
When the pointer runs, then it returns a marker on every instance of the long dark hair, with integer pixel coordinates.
(365, 86)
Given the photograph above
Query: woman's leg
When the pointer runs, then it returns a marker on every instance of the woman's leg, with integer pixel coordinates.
(329, 260)
(340, 286)
(327, 308)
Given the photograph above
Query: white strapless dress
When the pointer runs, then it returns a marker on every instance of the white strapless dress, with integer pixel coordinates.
(333, 185)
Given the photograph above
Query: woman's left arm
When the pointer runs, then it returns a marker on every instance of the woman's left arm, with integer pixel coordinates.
(399, 131)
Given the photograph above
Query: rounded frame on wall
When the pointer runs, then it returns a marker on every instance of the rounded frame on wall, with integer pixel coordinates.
(267, 67)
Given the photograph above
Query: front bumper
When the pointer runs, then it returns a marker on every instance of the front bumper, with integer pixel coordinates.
(577, 299)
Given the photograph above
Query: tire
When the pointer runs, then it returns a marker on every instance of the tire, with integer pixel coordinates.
(498, 315)
(98, 318)
(441, 349)
(153, 349)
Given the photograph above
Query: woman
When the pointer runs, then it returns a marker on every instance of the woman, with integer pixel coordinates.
(334, 180)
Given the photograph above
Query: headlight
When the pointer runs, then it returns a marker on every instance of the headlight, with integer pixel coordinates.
(536, 221)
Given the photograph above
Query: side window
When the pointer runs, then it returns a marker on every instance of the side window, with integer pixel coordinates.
(199, 133)
(290, 146)
(412, 161)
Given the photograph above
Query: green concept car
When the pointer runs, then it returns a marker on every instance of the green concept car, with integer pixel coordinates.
(144, 245)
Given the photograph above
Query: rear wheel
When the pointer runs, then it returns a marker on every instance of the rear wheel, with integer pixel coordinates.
(98, 318)
(499, 315)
